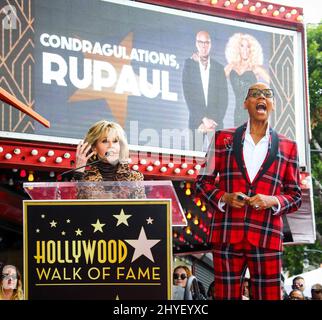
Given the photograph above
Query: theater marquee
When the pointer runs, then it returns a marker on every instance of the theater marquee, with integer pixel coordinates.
(123, 61)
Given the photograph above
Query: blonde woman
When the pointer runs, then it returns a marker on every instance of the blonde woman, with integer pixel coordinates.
(244, 55)
(105, 141)
(10, 282)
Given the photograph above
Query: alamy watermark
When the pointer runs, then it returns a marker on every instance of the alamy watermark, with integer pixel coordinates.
(167, 140)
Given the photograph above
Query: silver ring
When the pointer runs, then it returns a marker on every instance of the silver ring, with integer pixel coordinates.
(256, 206)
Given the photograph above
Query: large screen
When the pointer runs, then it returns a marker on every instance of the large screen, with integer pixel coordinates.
(142, 66)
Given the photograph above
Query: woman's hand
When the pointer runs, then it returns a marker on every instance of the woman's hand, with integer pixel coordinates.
(81, 155)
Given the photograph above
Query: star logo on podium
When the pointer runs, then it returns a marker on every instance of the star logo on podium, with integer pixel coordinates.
(122, 218)
(98, 226)
(142, 246)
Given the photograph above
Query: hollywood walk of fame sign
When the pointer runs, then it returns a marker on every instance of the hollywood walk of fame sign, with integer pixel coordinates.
(90, 249)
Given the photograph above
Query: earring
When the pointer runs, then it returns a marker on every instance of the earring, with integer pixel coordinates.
(94, 157)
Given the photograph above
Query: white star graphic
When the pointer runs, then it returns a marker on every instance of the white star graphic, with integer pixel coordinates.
(98, 226)
(142, 246)
(37, 230)
(68, 220)
(149, 220)
(78, 232)
(43, 216)
(63, 233)
(122, 218)
(53, 224)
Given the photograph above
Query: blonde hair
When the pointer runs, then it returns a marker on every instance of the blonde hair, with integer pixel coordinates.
(104, 128)
(232, 50)
(18, 292)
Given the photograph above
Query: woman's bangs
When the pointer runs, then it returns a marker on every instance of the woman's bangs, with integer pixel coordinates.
(111, 133)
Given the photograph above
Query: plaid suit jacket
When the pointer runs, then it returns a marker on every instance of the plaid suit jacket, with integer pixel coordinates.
(278, 176)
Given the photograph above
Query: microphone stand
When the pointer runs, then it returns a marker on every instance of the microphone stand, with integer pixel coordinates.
(58, 192)
(87, 164)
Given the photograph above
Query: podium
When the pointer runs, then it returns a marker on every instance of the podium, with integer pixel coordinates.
(100, 240)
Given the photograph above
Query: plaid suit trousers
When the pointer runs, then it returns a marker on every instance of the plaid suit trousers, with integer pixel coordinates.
(230, 262)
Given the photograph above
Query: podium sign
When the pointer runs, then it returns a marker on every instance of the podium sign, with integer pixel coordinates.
(97, 249)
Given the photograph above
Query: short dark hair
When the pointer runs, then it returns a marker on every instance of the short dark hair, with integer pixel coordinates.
(297, 290)
(316, 286)
(298, 278)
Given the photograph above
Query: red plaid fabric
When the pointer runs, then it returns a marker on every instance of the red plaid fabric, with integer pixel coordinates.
(264, 266)
(278, 176)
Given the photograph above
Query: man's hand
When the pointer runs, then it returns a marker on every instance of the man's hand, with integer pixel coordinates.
(236, 199)
(261, 201)
(195, 57)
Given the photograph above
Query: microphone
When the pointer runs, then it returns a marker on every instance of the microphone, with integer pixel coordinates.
(107, 153)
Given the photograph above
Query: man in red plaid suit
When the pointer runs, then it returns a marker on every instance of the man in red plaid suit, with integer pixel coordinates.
(258, 182)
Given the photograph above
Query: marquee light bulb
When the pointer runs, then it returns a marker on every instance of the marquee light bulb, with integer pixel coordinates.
(23, 173)
(31, 176)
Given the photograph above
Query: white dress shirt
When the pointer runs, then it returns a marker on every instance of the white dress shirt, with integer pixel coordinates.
(254, 156)
(205, 79)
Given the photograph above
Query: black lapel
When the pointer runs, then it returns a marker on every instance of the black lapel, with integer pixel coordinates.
(238, 148)
(272, 154)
